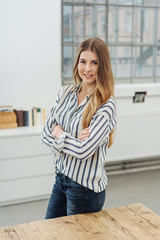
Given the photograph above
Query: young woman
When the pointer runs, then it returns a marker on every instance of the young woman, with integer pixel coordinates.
(79, 130)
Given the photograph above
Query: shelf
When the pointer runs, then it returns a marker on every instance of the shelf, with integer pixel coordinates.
(20, 131)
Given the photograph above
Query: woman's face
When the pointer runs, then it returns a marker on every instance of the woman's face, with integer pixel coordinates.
(88, 67)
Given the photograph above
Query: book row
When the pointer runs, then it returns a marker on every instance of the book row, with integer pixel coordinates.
(30, 117)
(10, 117)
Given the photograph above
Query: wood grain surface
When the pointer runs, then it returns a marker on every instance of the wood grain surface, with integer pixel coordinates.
(132, 222)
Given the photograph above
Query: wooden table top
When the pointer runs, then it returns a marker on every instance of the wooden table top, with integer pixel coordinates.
(132, 222)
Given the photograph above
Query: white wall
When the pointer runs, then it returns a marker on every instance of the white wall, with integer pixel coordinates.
(30, 74)
(137, 133)
(30, 52)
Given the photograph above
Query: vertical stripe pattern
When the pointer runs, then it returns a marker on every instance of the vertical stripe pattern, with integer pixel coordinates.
(83, 161)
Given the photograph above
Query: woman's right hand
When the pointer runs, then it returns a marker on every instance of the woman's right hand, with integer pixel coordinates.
(84, 134)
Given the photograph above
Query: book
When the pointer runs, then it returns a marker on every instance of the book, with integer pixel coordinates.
(30, 117)
(8, 125)
(19, 115)
(43, 116)
(34, 116)
(6, 108)
(38, 116)
(26, 117)
(8, 119)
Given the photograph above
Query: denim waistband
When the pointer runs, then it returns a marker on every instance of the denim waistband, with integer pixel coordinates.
(61, 175)
(58, 173)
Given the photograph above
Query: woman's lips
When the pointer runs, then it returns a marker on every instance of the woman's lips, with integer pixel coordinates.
(88, 75)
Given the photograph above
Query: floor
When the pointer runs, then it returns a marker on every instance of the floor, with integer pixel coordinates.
(123, 189)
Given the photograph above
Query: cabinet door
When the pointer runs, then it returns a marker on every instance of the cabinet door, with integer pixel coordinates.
(22, 146)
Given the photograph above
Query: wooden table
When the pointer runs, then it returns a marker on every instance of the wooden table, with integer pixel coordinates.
(135, 222)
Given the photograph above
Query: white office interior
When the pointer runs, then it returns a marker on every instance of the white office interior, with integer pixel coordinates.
(30, 74)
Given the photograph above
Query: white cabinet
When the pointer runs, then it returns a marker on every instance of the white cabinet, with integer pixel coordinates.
(26, 166)
(137, 136)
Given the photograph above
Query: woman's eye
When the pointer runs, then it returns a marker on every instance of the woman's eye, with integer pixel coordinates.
(82, 61)
(95, 63)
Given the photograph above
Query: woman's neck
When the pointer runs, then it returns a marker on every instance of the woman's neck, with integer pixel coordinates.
(85, 90)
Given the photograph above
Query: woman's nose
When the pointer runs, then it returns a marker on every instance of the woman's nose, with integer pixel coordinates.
(87, 67)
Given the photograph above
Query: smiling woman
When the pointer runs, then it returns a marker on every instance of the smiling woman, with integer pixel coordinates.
(88, 67)
(87, 70)
(104, 85)
(79, 131)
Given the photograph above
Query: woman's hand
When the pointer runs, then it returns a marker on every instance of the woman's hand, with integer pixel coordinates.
(57, 131)
(84, 134)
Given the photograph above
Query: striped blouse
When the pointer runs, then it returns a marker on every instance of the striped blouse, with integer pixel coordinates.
(83, 161)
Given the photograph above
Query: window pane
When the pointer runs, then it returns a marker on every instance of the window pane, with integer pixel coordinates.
(74, 53)
(78, 21)
(95, 1)
(158, 27)
(144, 62)
(88, 18)
(146, 2)
(74, 1)
(158, 64)
(89, 22)
(121, 62)
(158, 48)
(67, 62)
(67, 23)
(121, 2)
(95, 22)
(101, 22)
(120, 32)
(145, 25)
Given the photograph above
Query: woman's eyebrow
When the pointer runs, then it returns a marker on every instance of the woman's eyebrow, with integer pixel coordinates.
(91, 60)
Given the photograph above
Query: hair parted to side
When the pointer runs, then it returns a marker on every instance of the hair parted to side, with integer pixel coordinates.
(104, 80)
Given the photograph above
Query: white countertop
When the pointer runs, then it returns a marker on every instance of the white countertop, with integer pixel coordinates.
(20, 131)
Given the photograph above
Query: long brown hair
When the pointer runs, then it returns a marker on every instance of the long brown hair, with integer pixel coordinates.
(104, 80)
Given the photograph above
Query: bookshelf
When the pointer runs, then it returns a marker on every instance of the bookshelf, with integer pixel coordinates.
(26, 166)
(11, 117)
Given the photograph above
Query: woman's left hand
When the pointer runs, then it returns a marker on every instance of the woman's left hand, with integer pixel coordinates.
(84, 134)
(57, 131)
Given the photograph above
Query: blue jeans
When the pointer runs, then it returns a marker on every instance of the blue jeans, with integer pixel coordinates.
(69, 198)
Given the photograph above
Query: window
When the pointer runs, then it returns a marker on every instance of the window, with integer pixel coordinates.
(130, 29)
